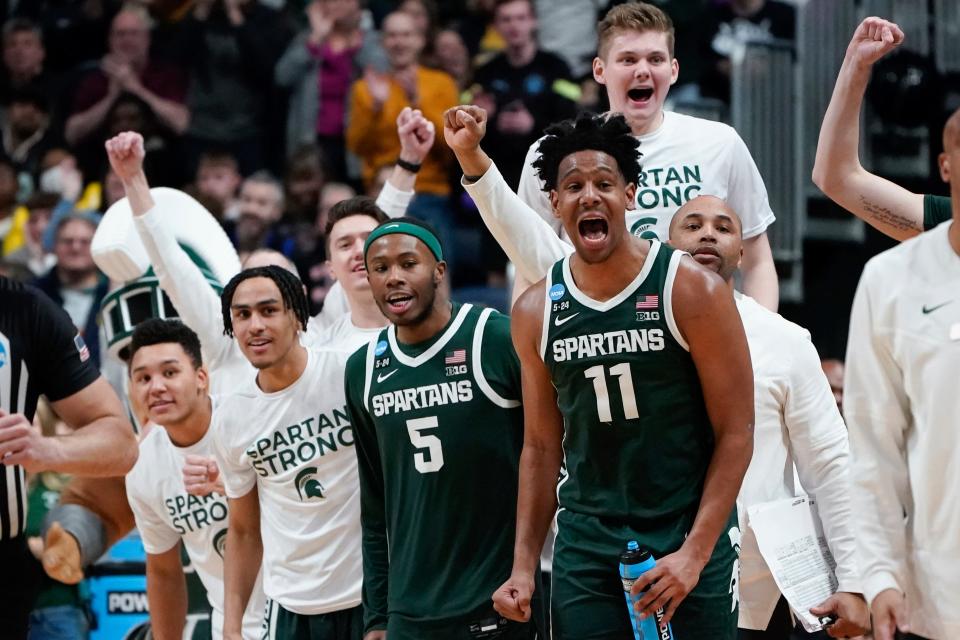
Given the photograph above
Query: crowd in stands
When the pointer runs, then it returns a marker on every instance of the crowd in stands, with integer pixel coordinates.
(269, 112)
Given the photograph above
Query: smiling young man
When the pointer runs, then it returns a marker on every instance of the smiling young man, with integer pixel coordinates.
(168, 380)
(285, 446)
(682, 156)
(638, 393)
(435, 405)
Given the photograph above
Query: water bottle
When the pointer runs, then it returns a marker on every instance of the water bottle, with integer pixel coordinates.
(634, 562)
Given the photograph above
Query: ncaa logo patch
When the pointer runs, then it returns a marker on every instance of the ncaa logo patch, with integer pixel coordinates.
(557, 291)
(381, 348)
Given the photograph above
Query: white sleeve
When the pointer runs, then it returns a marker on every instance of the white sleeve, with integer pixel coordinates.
(818, 439)
(746, 193)
(157, 534)
(393, 201)
(181, 279)
(531, 191)
(878, 414)
(239, 476)
(525, 237)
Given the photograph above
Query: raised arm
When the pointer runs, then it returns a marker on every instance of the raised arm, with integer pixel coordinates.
(710, 323)
(180, 278)
(526, 238)
(539, 461)
(887, 207)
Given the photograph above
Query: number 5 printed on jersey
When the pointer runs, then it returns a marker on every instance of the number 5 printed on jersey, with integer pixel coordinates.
(430, 460)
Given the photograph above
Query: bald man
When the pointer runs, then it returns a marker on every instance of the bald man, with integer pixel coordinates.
(901, 403)
(797, 423)
(882, 204)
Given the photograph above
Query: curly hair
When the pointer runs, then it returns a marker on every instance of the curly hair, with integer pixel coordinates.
(611, 135)
(291, 292)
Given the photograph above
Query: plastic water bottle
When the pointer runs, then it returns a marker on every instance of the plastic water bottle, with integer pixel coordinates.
(634, 562)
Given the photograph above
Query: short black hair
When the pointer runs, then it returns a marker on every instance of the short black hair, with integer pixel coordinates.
(611, 135)
(291, 291)
(355, 206)
(160, 331)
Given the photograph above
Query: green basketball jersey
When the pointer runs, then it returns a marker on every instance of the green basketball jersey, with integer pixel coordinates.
(439, 430)
(637, 439)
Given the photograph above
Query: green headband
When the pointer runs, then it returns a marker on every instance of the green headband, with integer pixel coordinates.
(407, 228)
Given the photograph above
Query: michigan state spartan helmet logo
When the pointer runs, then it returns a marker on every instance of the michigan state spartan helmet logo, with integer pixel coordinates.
(119, 253)
(308, 486)
(220, 543)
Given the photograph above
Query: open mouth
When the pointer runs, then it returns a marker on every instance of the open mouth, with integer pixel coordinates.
(359, 269)
(593, 229)
(399, 302)
(640, 94)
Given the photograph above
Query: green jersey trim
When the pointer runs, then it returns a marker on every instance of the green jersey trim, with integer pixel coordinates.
(545, 330)
(368, 372)
(668, 299)
(408, 361)
(616, 300)
(488, 391)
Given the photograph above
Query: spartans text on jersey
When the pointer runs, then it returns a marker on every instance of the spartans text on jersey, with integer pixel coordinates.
(607, 344)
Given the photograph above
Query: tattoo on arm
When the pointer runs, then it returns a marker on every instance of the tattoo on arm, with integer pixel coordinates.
(887, 216)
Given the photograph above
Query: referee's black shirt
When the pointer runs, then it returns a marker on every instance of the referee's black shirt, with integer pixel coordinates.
(40, 353)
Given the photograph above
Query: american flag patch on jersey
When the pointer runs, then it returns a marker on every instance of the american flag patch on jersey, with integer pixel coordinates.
(81, 348)
(648, 302)
(458, 356)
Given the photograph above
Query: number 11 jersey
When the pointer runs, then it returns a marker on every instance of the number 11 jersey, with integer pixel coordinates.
(637, 439)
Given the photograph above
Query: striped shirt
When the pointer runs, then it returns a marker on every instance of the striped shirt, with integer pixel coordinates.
(40, 353)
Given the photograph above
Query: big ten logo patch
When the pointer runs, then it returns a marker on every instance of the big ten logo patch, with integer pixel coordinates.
(190, 513)
(293, 446)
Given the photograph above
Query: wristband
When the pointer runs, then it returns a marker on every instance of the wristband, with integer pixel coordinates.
(409, 166)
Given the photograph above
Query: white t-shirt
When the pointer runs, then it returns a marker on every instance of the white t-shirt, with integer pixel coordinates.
(296, 447)
(341, 335)
(685, 157)
(165, 514)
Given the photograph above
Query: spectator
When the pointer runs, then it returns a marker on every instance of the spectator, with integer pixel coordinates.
(218, 178)
(128, 68)
(75, 283)
(454, 58)
(233, 47)
(377, 100)
(23, 62)
(738, 21)
(27, 134)
(78, 27)
(524, 88)
(32, 254)
(304, 183)
(315, 267)
(318, 68)
(424, 14)
(260, 209)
